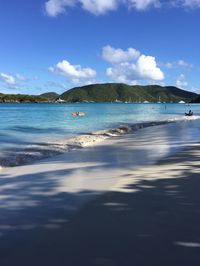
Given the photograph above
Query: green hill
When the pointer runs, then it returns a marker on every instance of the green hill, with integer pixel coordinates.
(112, 92)
(45, 97)
(109, 92)
(21, 98)
(51, 96)
(196, 100)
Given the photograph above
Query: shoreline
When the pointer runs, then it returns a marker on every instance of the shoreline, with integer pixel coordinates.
(46, 150)
(136, 149)
(35, 152)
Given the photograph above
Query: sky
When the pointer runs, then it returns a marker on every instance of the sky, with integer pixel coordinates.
(55, 45)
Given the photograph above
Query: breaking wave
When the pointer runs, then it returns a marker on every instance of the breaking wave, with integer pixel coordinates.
(40, 151)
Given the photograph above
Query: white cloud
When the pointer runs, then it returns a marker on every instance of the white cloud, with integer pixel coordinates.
(181, 81)
(20, 77)
(113, 55)
(195, 89)
(169, 65)
(145, 68)
(55, 7)
(183, 63)
(98, 7)
(8, 79)
(179, 63)
(12, 81)
(191, 3)
(75, 73)
(129, 66)
(144, 4)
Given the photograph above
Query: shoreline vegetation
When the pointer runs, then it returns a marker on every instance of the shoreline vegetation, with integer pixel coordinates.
(108, 92)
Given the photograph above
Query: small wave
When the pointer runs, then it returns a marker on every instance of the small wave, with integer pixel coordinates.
(44, 150)
(184, 118)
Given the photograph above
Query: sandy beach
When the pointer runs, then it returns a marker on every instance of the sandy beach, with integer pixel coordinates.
(130, 200)
(100, 133)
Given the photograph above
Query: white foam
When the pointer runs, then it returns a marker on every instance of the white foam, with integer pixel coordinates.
(185, 118)
(45, 150)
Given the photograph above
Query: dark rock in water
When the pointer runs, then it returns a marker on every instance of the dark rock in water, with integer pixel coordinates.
(123, 129)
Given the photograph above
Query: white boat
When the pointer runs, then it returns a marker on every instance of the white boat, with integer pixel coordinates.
(159, 100)
(60, 101)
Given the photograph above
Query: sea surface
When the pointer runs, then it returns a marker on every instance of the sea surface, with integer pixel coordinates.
(36, 130)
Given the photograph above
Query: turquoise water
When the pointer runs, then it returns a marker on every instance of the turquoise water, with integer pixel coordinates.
(23, 125)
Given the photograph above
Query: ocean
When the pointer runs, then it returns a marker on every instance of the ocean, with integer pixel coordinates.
(35, 131)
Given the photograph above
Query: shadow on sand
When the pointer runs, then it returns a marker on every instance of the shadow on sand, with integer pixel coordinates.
(153, 219)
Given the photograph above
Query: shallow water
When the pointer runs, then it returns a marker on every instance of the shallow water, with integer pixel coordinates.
(36, 126)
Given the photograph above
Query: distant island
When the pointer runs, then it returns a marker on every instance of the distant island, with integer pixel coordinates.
(24, 98)
(109, 92)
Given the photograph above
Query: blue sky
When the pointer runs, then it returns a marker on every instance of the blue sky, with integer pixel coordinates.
(54, 45)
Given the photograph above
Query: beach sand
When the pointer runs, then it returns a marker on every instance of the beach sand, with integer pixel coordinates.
(126, 201)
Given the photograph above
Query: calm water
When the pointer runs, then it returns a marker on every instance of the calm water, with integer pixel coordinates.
(22, 125)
